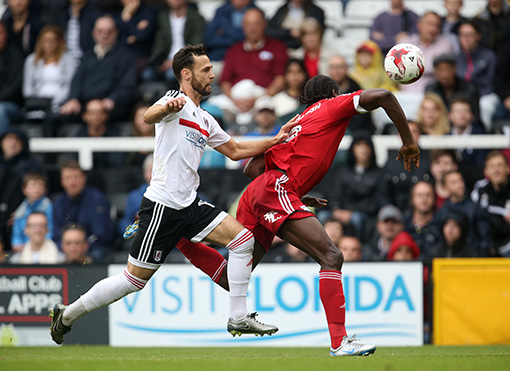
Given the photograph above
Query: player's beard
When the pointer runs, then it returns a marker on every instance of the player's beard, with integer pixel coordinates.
(203, 90)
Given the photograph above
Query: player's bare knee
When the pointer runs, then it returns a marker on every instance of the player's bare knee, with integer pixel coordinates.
(333, 258)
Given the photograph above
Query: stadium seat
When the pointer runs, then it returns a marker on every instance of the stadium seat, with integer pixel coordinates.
(32, 130)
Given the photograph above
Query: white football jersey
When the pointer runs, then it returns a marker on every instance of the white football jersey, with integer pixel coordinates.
(180, 143)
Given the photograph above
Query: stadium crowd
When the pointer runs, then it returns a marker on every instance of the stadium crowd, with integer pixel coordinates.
(90, 68)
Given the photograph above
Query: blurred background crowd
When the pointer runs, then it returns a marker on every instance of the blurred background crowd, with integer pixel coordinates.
(90, 68)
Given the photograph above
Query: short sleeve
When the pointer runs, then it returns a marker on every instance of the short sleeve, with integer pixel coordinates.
(165, 98)
(217, 135)
(346, 105)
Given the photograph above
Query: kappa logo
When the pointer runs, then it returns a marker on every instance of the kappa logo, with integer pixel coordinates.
(200, 203)
(158, 254)
(270, 217)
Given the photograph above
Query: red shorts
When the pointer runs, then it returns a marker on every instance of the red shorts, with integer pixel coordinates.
(268, 201)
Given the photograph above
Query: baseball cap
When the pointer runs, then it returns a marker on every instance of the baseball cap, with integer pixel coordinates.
(390, 212)
(264, 102)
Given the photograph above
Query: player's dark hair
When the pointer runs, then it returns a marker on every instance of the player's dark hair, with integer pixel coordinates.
(318, 88)
(185, 58)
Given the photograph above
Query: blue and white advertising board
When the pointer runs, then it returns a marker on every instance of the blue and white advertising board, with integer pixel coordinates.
(180, 306)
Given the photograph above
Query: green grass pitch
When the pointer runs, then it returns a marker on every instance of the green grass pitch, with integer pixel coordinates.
(92, 358)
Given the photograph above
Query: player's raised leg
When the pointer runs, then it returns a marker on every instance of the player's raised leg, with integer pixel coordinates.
(240, 243)
(308, 235)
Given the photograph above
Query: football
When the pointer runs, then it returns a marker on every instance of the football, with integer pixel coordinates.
(404, 63)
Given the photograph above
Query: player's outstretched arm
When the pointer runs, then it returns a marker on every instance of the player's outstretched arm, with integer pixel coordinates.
(240, 150)
(372, 99)
(157, 112)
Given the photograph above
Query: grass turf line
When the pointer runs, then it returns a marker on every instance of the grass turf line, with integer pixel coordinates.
(92, 358)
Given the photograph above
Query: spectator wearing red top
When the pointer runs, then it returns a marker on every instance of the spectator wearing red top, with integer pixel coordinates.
(253, 67)
(403, 248)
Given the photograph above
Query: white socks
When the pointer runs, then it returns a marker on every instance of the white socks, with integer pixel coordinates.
(103, 293)
(240, 261)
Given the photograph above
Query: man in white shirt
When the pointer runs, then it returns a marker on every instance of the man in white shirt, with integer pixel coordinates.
(171, 209)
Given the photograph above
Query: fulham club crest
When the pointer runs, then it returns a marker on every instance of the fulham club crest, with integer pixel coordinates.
(157, 255)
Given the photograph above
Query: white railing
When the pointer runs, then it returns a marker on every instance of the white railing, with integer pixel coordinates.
(85, 147)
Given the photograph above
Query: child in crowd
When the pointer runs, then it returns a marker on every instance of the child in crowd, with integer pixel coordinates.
(34, 189)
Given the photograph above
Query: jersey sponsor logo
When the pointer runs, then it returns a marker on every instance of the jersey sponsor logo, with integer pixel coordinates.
(196, 139)
(158, 254)
(271, 216)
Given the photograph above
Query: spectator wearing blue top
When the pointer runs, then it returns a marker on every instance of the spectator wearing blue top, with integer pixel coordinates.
(34, 189)
(225, 29)
(107, 72)
(78, 19)
(392, 26)
(137, 24)
(479, 233)
(477, 64)
(80, 204)
(135, 196)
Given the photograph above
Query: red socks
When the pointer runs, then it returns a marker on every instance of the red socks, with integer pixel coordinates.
(205, 258)
(332, 296)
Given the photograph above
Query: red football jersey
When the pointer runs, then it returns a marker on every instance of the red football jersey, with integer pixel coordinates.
(307, 154)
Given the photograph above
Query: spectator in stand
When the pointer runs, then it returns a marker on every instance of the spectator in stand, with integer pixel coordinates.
(11, 73)
(420, 220)
(287, 24)
(479, 228)
(34, 189)
(433, 116)
(23, 25)
(354, 196)
(97, 125)
(78, 21)
(432, 43)
(368, 68)
(135, 197)
(390, 222)
(137, 24)
(453, 243)
(463, 124)
(403, 248)
(39, 249)
(477, 64)
(313, 52)
(225, 29)
(448, 84)
(493, 195)
(495, 23)
(502, 85)
(15, 153)
(441, 162)
(286, 103)
(75, 245)
(391, 27)
(350, 247)
(338, 70)
(107, 73)
(452, 20)
(80, 204)
(178, 25)
(396, 183)
(10, 198)
(265, 118)
(253, 68)
(334, 229)
(47, 75)
(139, 129)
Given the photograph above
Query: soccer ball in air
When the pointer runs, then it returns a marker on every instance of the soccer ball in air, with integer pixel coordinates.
(404, 63)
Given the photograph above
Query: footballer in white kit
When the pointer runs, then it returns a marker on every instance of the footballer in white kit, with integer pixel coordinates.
(171, 209)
